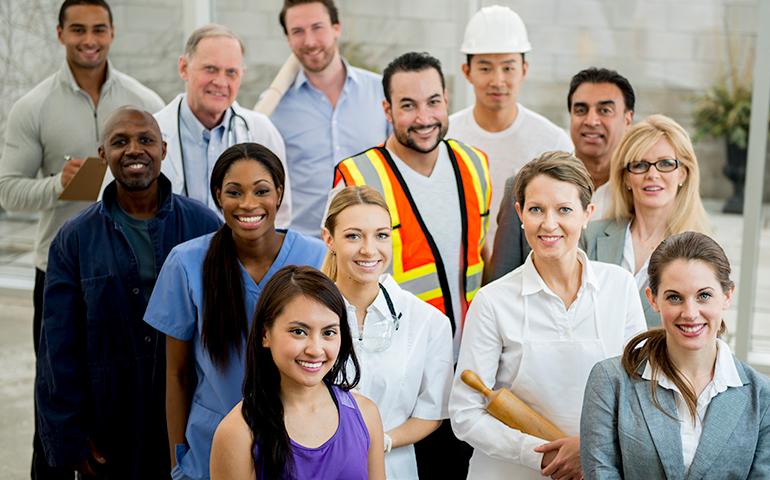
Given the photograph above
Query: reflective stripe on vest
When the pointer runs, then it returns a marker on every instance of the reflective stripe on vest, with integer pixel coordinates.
(414, 264)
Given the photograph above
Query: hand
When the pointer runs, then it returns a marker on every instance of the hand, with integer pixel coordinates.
(561, 458)
(71, 167)
(90, 465)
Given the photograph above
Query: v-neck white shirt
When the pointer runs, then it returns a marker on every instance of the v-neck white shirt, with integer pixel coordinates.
(725, 376)
(629, 261)
(438, 203)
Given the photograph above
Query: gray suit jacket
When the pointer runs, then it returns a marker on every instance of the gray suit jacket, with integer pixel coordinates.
(510, 248)
(604, 240)
(624, 435)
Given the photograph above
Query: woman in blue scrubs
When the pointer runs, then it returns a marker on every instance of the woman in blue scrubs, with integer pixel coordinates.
(206, 294)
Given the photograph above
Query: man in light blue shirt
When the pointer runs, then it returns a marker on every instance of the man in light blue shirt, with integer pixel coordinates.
(203, 122)
(331, 111)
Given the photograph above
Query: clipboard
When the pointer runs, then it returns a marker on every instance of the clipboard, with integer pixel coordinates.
(87, 182)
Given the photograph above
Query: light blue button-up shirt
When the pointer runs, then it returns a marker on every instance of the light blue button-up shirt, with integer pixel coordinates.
(202, 148)
(318, 136)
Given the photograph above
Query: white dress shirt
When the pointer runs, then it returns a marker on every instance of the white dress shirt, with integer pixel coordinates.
(607, 309)
(629, 261)
(725, 376)
(413, 376)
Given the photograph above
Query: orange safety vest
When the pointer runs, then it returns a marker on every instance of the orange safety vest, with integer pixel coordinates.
(417, 265)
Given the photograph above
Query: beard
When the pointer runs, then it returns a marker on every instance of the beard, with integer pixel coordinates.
(405, 139)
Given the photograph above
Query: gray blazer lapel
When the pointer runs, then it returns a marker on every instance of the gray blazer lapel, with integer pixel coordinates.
(664, 430)
(609, 249)
(722, 416)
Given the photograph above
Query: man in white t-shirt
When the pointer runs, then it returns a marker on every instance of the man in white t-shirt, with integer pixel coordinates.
(438, 194)
(601, 106)
(510, 134)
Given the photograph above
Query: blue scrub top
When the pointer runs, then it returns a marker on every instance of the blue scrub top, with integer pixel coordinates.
(175, 308)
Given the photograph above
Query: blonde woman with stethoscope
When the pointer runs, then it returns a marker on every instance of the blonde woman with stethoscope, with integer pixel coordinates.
(541, 328)
(403, 345)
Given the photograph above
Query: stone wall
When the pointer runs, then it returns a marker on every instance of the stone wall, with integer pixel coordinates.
(671, 50)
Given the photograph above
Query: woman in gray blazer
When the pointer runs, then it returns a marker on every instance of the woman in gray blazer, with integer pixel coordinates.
(654, 184)
(677, 404)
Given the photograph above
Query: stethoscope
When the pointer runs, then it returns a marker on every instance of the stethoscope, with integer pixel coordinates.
(396, 317)
(231, 138)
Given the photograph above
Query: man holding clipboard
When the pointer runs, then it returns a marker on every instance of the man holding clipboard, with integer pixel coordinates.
(54, 127)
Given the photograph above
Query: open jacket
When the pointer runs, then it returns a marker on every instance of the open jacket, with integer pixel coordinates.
(623, 435)
(100, 368)
(604, 241)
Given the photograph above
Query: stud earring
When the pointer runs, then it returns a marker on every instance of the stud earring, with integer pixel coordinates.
(680, 185)
(522, 226)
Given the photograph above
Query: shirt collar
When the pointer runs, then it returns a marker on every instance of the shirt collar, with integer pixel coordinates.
(195, 127)
(110, 198)
(68, 78)
(533, 283)
(380, 305)
(350, 75)
(725, 372)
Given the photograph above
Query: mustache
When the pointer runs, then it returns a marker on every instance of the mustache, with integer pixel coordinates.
(417, 127)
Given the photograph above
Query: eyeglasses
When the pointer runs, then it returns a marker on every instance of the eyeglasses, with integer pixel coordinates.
(663, 165)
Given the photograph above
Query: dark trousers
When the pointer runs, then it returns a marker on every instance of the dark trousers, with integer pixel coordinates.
(442, 455)
(40, 469)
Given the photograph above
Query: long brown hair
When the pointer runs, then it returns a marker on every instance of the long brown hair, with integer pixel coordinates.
(347, 197)
(262, 408)
(224, 319)
(650, 346)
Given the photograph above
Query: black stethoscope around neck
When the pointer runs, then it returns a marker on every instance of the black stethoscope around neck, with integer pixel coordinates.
(231, 137)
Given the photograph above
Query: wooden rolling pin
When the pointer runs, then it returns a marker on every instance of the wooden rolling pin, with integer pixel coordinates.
(512, 411)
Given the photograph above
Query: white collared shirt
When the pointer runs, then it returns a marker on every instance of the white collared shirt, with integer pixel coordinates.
(725, 376)
(629, 261)
(492, 344)
(413, 376)
(602, 198)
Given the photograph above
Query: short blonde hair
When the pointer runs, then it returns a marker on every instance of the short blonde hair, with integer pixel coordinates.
(209, 31)
(348, 197)
(688, 213)
(562, 166)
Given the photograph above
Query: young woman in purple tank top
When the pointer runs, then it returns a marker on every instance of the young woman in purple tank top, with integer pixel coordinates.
(298, 418)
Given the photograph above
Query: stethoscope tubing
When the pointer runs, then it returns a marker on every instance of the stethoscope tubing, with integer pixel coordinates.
(230, 135)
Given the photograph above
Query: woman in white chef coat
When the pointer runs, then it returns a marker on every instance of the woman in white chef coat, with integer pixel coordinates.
(541, 328)
(403, 345)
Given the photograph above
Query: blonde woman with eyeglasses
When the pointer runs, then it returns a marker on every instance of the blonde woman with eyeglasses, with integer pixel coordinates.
(655, 188)
(403, 344)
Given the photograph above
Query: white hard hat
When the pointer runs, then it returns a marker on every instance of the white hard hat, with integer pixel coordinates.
(495, 29)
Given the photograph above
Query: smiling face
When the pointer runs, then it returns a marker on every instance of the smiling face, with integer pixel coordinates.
(361, 242)
(553, 217)
(133, 149)
(691, 301)
(496, 79)
(304, 341)
(249, 199)
(417, 109)
(86, 35)
(312, 36)
(213, 76)
(598, 119)
(655, 189)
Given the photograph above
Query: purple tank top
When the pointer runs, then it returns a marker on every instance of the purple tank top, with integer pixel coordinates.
(344, 456)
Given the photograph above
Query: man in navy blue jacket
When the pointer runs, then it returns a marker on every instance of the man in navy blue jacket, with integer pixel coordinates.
(100, 368)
